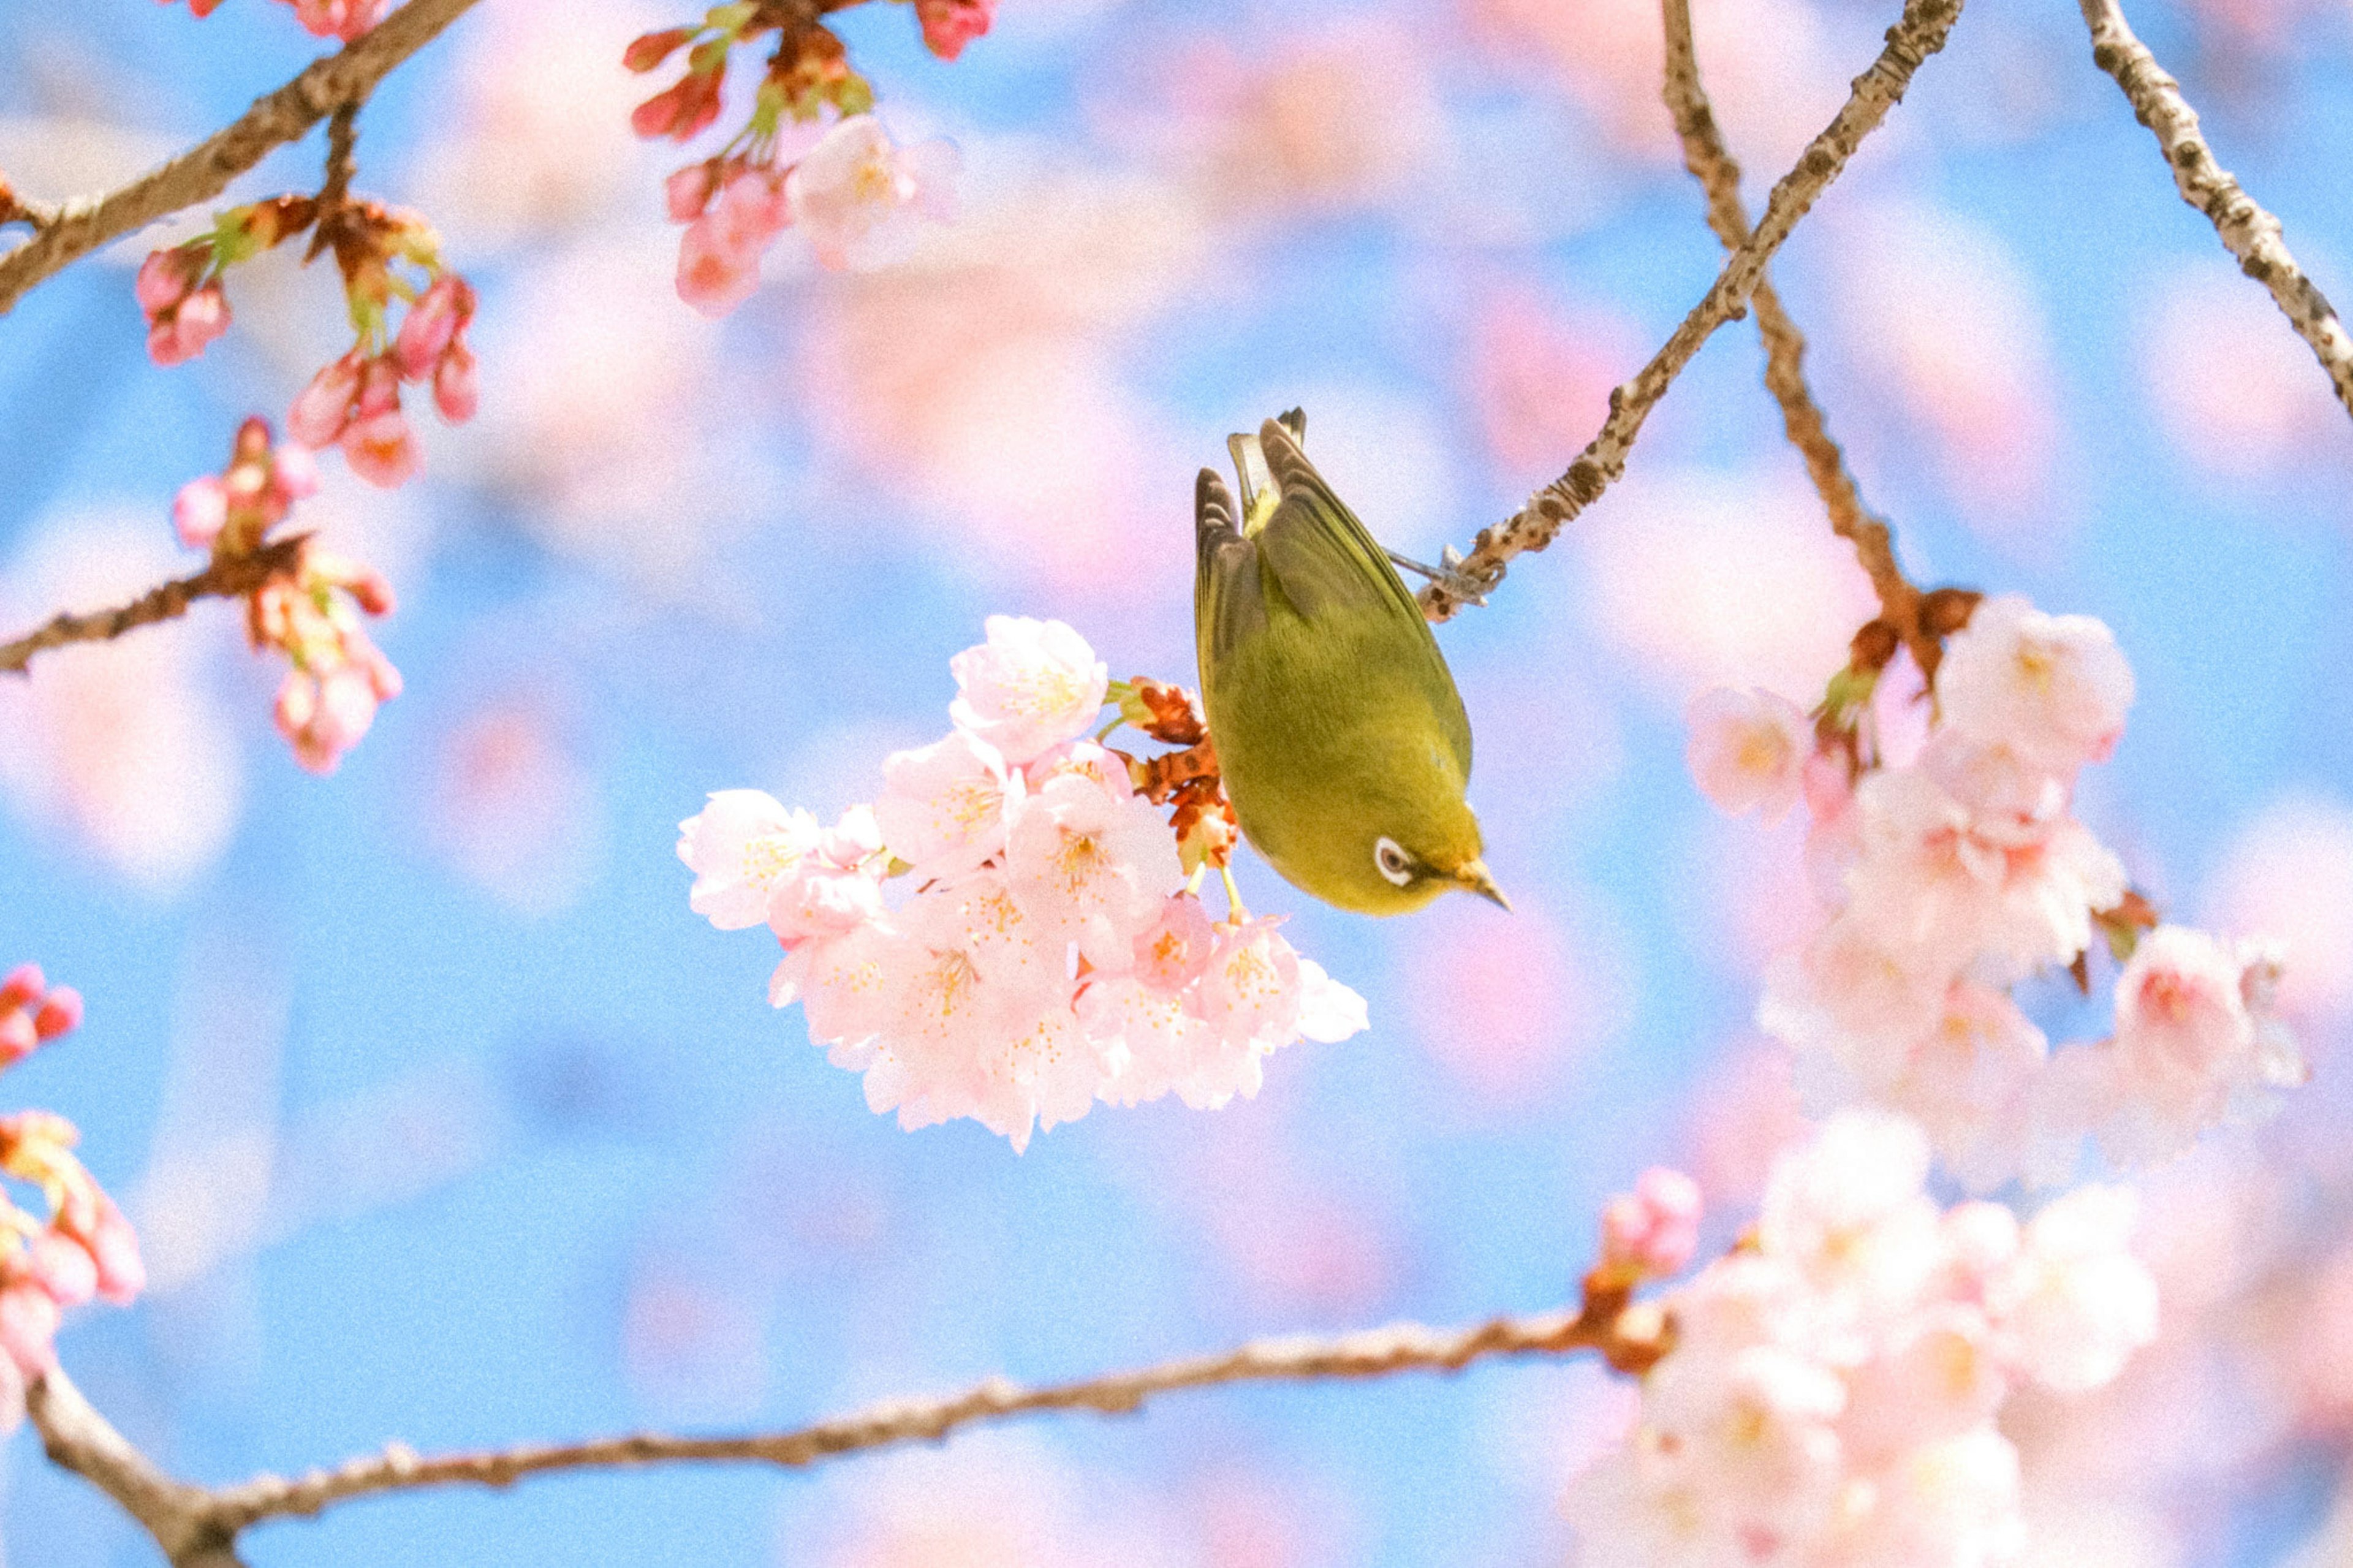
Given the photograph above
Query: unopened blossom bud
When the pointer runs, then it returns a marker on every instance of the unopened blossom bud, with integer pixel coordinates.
(165, 279)
(324, 408)
(60, 1013)
(680, 111)
(949, 24)
(457, 390)
(432, 324)
(381, 448)
(18, 1037)
(1652, 1230)
(647, 50)
(24, 984)
(182, 334)
(113, 1248)
(686, 193)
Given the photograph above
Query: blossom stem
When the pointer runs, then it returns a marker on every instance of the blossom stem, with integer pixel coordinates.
(228, 577)
(1710, 162)
(1920, 32)
(78, 227)
(197, 1527)
(2247, 230)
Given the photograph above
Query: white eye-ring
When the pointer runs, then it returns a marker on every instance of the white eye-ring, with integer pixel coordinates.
(1394, 863)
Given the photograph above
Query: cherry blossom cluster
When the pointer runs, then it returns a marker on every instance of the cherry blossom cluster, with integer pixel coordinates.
(1006, 932)
(344, 19)
(1831, 1396)
(1951, 876)
(311, 613)
(384, 256)
(810, 156)
(84, 1250)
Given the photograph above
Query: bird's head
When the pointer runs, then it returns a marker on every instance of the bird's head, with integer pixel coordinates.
(1433, 852)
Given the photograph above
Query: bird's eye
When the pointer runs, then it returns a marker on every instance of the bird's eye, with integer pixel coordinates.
(1394, 863)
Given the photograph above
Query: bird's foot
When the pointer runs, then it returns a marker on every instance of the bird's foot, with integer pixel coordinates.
(1448, 574)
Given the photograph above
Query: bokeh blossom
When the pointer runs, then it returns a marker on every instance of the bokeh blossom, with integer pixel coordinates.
(1047, 951)
(1832, 1394)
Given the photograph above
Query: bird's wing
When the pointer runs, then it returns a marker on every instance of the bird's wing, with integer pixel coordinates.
(1229, 596)
(1327, 564)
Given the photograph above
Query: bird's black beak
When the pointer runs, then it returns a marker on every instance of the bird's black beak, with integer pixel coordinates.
(1473, 876)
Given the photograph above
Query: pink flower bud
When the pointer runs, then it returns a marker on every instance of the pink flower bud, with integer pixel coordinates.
(114, 1249)
(647, 50)
(60, 1013)
(949, 24)
(432, 322)
(380, 448)
(200, 512)
(456, 392)
(324, 407)
(379, 390)
(25, 983)
(716, 269)
(29, 1325)
(689, 191)
(164, 279)
(1652, 1230)
(62, 1267)
(681, 110)
(18, 1037)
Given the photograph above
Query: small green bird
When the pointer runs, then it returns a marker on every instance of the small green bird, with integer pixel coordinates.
(1342, 739)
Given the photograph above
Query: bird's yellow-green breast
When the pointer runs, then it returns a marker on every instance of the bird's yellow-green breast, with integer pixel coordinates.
(1342, 740)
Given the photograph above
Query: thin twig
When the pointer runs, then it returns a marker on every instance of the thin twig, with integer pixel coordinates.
(1920, 33)
(189, 1522)
(205, 170)
(228, 577)
(2249, 232)
(1710, 162)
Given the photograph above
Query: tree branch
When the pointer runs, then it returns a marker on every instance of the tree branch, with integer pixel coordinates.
(198, 1528)
(228, 577)
(2249, 232)
(78, 227)
(1920, 33)
(1710, 162)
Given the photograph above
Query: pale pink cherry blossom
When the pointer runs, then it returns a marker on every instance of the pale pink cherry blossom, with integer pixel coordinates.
(1937, 1376)
(2009, 798)
(1032, 685)
(1852, 994)
(2196, 1043)
(1933, 877)
(1000, 1045)
(854, 181)
(344, 19)
(1748, 750)
(2077, 1303)
(324, 713)
(1849, 1211)
(1948, 1504)
(1652, 1230)
(1090, 863)
(949, 24)
(2053, 687)
(740, 846)
(1970, 1083)
(324, 407)
(1759, 1425)
(381, 448)
(944, 806)
(1173, 953)
(719, 254)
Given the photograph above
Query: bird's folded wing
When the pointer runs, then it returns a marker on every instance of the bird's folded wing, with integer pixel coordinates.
(1228, 597)
(1326, 564)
